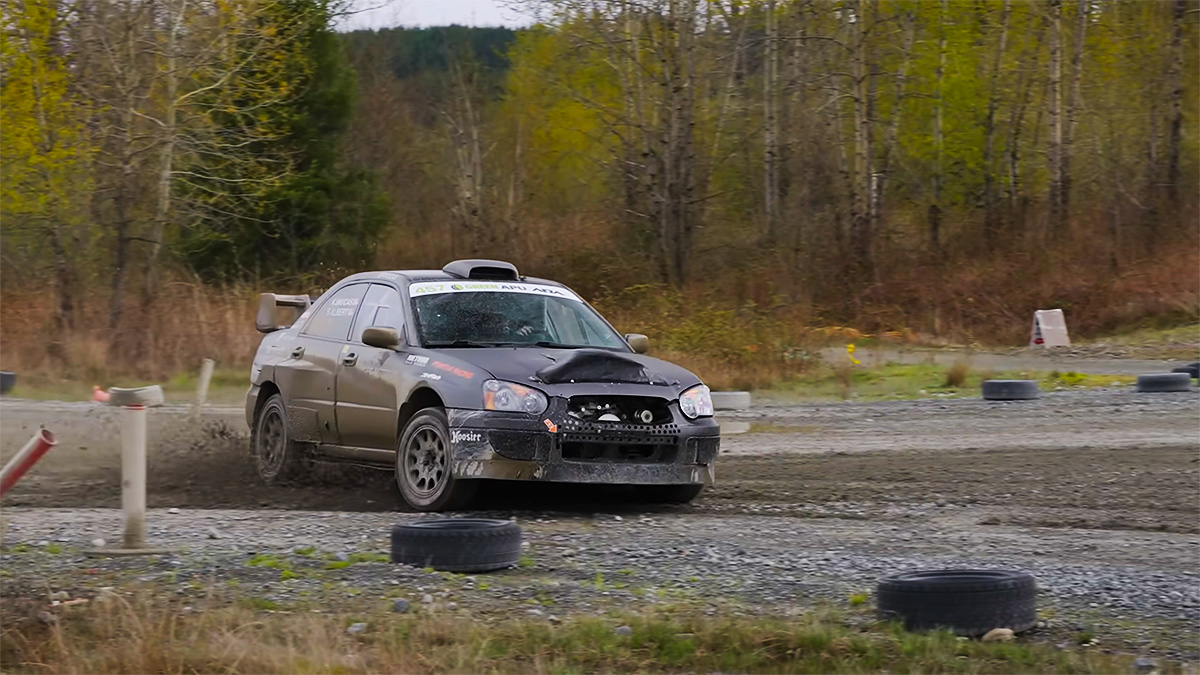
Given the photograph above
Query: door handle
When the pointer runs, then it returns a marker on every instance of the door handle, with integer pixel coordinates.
(297, 352)
(350, 359)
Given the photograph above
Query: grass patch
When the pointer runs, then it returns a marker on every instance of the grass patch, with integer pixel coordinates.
(227, 386)
(249, 636)
(921, 380)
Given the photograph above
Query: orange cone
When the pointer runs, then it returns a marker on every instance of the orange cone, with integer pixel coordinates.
(99, 395)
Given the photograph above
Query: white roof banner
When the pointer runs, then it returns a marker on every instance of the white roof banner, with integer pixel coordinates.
(436, 287)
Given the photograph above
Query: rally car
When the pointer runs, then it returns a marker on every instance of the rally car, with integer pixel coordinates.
(469, 373)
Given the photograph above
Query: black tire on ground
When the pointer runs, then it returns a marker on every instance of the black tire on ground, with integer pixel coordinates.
(457, 544)
(277, 457)
(968, 602)
(423, 465)
(1192, 369)
(1010, 390)
(1164, 382)
(668, 494)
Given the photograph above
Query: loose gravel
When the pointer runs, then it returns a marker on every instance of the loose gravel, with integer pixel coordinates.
(1094, 493)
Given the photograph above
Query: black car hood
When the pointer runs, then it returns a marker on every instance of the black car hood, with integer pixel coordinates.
(556, 366)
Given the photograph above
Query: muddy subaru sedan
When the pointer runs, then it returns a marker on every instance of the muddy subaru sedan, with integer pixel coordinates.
(472, 373)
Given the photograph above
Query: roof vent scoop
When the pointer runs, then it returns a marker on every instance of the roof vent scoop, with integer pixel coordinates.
(482, 269)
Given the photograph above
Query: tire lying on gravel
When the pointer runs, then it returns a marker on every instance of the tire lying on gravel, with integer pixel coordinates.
(457, 544)
(1010, 390)
(968, 602)
(1192, 369)
(1164, 382)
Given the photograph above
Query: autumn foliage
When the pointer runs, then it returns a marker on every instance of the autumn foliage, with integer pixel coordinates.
(726, 177)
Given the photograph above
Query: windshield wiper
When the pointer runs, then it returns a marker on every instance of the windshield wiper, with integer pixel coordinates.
(460, 343)
(558, 345)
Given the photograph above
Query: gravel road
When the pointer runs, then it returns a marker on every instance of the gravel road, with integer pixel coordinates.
(1094, 492)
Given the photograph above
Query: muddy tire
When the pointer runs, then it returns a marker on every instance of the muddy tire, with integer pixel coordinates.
(1010, 390)
(423, 465)
(968, 602)
(668, 494)
(457, 544)
(277, 457)
(1164, 382)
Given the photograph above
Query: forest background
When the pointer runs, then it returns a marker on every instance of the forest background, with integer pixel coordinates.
(739, 179)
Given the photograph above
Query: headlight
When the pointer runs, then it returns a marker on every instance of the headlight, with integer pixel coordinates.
(512, 397)
(696, 402)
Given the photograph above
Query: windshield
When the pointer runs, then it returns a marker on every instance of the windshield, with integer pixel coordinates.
(487, 314)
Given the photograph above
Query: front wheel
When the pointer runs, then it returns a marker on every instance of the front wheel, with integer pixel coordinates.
(423, 470)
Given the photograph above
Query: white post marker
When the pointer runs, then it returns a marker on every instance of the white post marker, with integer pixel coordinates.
(133, 475)
(206, 371)
(1049, 329)
(133, 404)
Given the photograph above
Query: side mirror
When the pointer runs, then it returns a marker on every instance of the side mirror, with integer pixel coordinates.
(640, 343)
(384, 338)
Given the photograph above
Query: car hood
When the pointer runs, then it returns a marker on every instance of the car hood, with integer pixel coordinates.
(559, 366)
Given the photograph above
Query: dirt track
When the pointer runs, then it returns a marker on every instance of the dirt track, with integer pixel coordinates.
(1104, 459)
(1096, 492)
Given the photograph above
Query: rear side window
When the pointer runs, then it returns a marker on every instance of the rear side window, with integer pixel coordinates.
(381, 308)
(335, 316)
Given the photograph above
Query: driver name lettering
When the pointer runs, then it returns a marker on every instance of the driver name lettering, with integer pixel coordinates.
(453, 370)
(341, 307)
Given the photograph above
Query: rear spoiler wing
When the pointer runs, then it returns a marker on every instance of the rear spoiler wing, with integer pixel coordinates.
(276, 312)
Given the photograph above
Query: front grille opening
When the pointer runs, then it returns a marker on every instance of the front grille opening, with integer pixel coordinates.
(623, 409)
(618, 453)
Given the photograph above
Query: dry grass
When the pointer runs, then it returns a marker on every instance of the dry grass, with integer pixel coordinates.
(740, 332)
(184, 324)
(957, 373)
(156, 636)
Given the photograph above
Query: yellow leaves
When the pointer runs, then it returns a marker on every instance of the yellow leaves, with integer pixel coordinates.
(43, 158)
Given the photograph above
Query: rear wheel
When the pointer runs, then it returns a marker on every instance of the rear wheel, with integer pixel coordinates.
(669, 494)
(276, 456)
(423, 465)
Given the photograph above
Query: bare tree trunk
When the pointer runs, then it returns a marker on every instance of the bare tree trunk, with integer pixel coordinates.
(468, 155)
(175, 13)
(64, 318)
(770, 124)
(123, 200)
(860, 235)
(893, 132)
(1073, 111)
(935, 205)
(514, 189)
(1016, 196)
(1176, 83)
(1057, 211)
(991, 216)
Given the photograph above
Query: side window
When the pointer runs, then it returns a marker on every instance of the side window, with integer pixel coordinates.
(380, 308)
(333, 318)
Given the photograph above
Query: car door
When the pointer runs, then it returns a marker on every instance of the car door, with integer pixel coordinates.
(367, 397)
(308, 377)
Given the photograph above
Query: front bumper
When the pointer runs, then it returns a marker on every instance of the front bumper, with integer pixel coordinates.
(517, 446)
